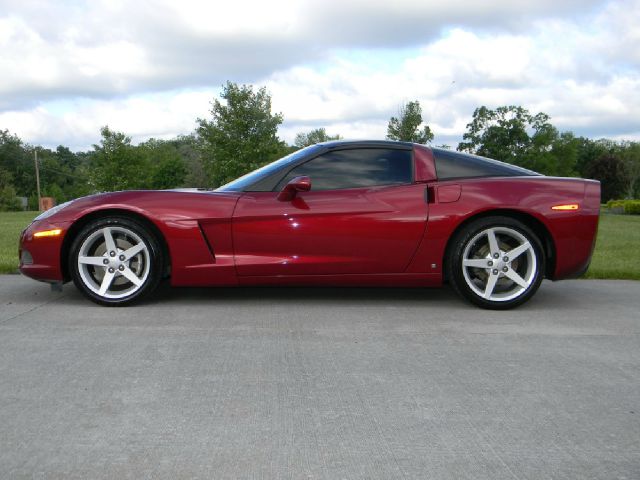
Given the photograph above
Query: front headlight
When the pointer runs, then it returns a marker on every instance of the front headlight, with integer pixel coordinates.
(52, 211)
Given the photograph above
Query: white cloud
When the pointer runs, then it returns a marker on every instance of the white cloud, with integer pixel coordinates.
(150, 68)
(78, 125)
(109, 48)
(541, 70)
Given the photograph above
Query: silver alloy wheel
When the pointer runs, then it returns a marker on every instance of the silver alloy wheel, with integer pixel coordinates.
(114, 262)
(499, 264)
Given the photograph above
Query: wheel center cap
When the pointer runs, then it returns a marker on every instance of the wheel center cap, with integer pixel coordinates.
(115, 262)
(499, 263)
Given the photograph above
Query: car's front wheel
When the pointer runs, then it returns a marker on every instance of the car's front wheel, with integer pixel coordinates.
(496, 262)
(115, 261)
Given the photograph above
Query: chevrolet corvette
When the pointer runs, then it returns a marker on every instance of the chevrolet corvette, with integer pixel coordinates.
(366, 213)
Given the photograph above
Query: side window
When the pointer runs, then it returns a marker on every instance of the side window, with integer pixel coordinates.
(450, 165)
(362, 167)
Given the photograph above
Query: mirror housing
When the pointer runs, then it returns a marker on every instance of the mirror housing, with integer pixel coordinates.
(295, 185)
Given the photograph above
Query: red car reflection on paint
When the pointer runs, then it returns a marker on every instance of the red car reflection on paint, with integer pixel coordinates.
(339, 213)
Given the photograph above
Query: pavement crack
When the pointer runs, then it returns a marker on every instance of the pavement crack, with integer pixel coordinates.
(6, 320)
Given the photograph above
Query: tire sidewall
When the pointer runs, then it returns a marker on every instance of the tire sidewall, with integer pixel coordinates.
(155, 260)
(455, 257)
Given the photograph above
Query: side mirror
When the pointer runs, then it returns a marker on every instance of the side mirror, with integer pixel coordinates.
(295, 185)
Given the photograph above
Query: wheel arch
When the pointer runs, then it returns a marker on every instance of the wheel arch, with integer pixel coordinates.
(81, 222)
(536, 225)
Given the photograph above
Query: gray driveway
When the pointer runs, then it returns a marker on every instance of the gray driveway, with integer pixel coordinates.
(320, 384)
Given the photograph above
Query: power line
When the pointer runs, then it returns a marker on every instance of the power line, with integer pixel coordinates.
(48, 169)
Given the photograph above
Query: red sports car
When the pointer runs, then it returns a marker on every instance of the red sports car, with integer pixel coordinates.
(370, 213)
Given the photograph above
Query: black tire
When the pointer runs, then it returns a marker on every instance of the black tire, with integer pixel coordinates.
(93, 265)
(486, 279)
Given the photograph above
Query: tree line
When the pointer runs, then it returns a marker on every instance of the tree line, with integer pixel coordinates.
(240, 135)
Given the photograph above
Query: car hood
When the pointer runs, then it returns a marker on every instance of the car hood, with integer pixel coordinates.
(179, 202)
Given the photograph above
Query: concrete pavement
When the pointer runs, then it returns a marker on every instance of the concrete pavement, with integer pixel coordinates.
(320, 384)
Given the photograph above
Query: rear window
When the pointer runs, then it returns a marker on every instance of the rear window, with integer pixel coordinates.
(450, 165)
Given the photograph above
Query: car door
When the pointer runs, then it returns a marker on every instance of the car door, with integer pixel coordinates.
(362, 215)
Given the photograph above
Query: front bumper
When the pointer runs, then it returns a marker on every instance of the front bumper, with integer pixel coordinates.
(40, 257)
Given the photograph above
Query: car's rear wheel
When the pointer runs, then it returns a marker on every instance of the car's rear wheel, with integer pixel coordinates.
(496, 262)
(115, 261)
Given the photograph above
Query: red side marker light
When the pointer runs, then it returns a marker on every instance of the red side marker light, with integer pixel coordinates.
(568, 206)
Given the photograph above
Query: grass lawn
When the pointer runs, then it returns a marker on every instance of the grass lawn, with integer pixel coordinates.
(617, 253)
(11, 224)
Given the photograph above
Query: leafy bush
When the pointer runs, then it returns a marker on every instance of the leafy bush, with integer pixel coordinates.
(630, 207)
(8, 200)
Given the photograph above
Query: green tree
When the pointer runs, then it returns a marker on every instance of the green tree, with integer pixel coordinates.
(595, 157)
(406, 127)
(74, 181)
(118, 165)
(82, 184)
(504, 134)
(562, 158)
(54, 190)
(8, 199)
(610, 171)
(241, 134)
(6, 179)
(167, 169)
(589, 151)
(513, 135)
(191, 155)
(60, 174)
(317, 135)
(17, 159)
(630, 155)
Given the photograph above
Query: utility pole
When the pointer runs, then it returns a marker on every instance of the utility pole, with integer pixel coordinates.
(35, 157)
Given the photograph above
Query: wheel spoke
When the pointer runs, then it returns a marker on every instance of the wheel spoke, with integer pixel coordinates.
(106, 282)
(475, 262)
(98, 261)
(132, 277)
(516, 252)
(512, 275)
(491, 284)
(133, 251)
(108, 240)
(493, 242)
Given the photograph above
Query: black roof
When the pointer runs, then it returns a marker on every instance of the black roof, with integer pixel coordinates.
(337, 144)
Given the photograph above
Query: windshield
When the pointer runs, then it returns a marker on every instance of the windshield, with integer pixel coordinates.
(239, 184)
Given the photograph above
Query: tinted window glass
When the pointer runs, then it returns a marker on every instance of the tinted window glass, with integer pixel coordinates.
(363, 167)
(253, 178)
(459, 165)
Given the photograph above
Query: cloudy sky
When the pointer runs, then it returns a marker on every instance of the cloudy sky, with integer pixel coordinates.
(149, 68)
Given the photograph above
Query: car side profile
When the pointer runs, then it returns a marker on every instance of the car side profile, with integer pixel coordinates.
(344, 213)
